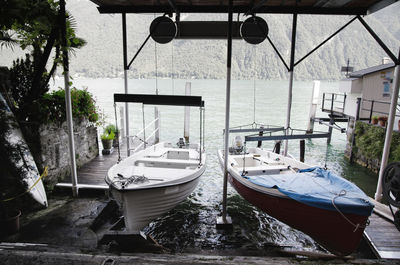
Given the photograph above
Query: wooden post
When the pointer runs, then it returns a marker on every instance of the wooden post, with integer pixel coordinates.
(313, 106)
(186, 126)
(260, 133)
(371, 111)
(353, 138)
(277, 147)
(331, 122)
(302, 149)
(157, 125)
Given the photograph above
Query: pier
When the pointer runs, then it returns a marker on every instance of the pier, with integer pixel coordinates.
(91, 175)
(381, 234)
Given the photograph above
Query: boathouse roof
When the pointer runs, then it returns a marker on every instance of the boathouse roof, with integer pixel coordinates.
(370, 70)
(338, 7)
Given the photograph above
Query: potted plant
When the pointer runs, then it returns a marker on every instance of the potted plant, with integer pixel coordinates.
(382, 121)
(106, 140)
(112, 129)
(374, 120)
(9, 219)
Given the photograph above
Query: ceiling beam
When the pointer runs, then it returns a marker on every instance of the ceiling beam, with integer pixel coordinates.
(236, 9)
(255, 7)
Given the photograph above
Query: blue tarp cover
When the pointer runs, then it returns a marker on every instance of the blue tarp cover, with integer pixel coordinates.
(318, 187)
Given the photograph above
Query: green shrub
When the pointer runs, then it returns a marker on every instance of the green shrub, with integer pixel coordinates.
(111, 128)
(370, 140)
(52, 106)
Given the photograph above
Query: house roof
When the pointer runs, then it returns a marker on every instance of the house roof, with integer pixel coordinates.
(370, 70)
(338, 7)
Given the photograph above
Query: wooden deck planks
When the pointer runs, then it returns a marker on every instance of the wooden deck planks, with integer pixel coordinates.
(382, 234)
(94, 172)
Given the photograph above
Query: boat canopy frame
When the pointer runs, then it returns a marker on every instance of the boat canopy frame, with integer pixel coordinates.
(167, 100)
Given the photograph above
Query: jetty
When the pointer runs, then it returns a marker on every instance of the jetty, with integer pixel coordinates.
(381, 233)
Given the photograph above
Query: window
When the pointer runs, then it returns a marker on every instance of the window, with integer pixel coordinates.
(386, 89)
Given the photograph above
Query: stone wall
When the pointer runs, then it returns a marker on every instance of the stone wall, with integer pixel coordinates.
(55, 149)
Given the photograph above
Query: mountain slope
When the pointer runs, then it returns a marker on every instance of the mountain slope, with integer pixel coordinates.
(102, 56)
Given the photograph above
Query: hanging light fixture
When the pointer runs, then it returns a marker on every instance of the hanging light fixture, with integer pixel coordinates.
(163, 29)
(254, 30)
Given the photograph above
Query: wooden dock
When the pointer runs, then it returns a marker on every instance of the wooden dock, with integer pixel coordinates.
(382, 234)
(92, 174)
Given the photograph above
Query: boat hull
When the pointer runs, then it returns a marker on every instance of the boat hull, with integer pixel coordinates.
(142, 206)
(328, 228)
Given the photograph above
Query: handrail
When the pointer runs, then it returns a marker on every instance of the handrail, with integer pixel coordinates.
(141, 132)
(378, 101)
(337, 101)
(146, 140)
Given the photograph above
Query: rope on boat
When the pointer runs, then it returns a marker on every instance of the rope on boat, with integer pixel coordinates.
(356, 226)
(134, 179)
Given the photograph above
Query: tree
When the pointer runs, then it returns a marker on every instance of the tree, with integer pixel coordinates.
(35, 25)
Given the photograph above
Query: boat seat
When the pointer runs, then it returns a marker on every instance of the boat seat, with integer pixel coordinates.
(270, 161)
(146, 160)
(156, 154)
(264, 169)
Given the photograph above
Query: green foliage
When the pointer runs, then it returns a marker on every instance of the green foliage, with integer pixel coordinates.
(370, 140)
(21, 78)
(111, 129)
(107, 136)
(52, 106)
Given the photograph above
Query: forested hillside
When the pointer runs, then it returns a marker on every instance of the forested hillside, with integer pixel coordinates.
(102, 56)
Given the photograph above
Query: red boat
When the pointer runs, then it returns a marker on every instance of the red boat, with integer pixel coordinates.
(330, 209)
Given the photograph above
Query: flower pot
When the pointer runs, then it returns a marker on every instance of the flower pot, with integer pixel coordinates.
(10, 224)
(382, 123)
(374, 121)
(107, 144)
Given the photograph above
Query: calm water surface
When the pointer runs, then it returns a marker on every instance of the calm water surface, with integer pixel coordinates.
(190, 227)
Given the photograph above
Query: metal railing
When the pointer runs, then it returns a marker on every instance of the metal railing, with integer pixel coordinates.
(335, 102)
(374, 104)
(140, 141)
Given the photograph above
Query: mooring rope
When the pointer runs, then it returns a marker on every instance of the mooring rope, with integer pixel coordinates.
(44, 174)
(134, 179)
(356, 226)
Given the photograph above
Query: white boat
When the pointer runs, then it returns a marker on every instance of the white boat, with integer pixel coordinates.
(154, 180)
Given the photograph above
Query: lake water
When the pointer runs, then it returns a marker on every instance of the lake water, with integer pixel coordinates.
(190, 227)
